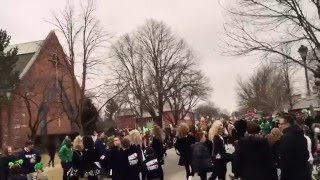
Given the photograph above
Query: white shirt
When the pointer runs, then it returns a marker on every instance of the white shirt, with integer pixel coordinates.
(310, 160)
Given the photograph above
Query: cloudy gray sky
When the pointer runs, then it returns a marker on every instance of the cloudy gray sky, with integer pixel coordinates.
(199, 22)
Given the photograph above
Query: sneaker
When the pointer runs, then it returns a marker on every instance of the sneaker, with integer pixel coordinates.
(190, 178)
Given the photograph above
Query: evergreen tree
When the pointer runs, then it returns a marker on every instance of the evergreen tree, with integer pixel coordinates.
(8, 59)
(89, 117)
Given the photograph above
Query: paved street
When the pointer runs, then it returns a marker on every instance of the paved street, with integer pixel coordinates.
(171, 170)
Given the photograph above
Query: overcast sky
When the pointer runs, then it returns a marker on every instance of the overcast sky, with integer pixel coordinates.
(199, 22)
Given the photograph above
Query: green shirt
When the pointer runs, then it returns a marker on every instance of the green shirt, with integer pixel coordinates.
(65, 154)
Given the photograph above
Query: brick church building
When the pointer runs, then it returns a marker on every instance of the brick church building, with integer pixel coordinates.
(36, 100)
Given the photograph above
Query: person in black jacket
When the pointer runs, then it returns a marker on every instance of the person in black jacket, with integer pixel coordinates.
(183, 145)
(201, 158)
(130, 161)
(157, 144)
(219, 151)
(30, 158)
(253, 158)
(151, 167)
(101, 147)
(115, 159)
(293, 150)
(90, 160)
(51, 148)
(5, 170)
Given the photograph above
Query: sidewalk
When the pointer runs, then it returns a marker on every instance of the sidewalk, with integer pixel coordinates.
(53, 173)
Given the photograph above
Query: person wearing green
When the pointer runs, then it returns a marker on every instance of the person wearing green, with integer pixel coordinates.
(265, 127)
(65, 154)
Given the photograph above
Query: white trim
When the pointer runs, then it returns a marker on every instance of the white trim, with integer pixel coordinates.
(31, 61)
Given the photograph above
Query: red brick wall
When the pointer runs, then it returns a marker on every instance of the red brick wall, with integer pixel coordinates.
(126, 122)
(38, 80)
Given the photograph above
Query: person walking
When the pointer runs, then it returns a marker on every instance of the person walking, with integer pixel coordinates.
(219, 151)
(151, 167)
(130, 161)
(293, 151)
(101, 148)
(115, 159)
(30, 158)
(183, 146)
(51, 149)
(90, 160)
(274, 141)
(65, 155)
(253, 156)
(76, 170)
(201, 158)
(157, 143)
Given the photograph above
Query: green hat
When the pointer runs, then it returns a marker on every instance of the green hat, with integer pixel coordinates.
(38, 167)
(304, 111)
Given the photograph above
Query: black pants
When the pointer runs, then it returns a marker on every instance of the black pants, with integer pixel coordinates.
(189, 171)
(51, 161)
(220, 170)
(203, 175)
(65, 167)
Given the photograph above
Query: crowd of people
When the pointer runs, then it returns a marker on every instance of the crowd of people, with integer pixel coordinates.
(258, 149)
(263, 149)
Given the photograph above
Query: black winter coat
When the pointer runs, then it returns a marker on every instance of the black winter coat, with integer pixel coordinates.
(116, 159)
(201, 158)
(183, 145)
(220, 157)
(294, 154)
(253, 159)
(158, 148)
(90, 158)
(131, 161)
(152, 169)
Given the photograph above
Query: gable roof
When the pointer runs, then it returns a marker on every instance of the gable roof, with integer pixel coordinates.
(27, 54)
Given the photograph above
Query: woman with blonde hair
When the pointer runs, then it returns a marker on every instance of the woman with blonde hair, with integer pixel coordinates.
(76, 171)
(183, 145)
(135, 137)
(157, 143)
(219, 152)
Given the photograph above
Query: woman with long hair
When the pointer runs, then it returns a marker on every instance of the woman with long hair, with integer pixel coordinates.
(76, 170)
(183, 145)
(219, 152)
(90, 160)
(157, 143)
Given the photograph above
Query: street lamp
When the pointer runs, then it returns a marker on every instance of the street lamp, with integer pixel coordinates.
(303, 51)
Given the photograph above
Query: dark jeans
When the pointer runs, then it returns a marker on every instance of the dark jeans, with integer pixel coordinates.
(65, 167)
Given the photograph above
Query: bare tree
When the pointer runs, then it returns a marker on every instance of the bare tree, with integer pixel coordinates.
(149, 62)
(40, 106)
(186, 93)
(289, 69)
(84, 35)
(266, 27)
(265, 90)
(207, 109)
